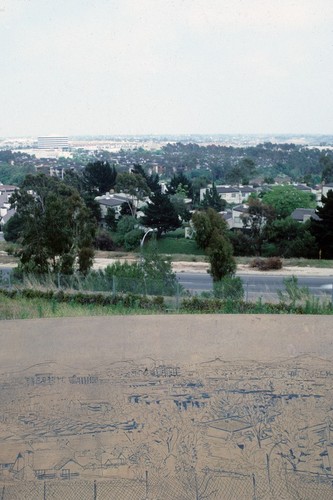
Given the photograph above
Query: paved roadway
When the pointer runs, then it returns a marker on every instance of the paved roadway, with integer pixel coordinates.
(257, 284)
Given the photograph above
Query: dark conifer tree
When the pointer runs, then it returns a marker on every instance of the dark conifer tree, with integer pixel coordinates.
(160, 214)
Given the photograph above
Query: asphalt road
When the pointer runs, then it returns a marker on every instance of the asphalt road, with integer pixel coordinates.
(257, 284)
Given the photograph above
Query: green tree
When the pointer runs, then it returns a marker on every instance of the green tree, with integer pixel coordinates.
(125, 225)
(14, 174)
(93, 205)
(249, 167)
(180, 179)
(255, 220)
(235, 175)
(151, 180)
(220, 255)
(211, 235)
(197, 184)
(57, 227)
(217, 172)
(127, 208)
(322, 229)
(242, 243)
(269, 179)
(160, 214)
(326, 164)
(178, 202)
(13, 228)
(135, 186)
(87, 191)
(289, 238)
(285, 199)
(110, 219)
(74, 179)
(158, 267)
(138, 169)
(132, 239)
(99, 177)
(204, 224)
(212, 199)
(241, 172)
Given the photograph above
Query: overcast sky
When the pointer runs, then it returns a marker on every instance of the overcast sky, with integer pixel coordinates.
(166, 67)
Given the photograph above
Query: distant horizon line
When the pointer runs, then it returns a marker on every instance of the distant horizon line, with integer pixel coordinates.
(192, 134)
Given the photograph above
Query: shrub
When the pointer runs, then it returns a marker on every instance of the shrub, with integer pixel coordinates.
(273, 263)
(85, 260)
(242, 243)
(293, 292)
(202, 305)
(17, 275)
(269, 249)
(153, 276)
(11, 250)
(103, 241)
(255, 262)
(129, 300)
(177, 233)
(132, 239)
(125, 224)
(266, 264)
(229, 288)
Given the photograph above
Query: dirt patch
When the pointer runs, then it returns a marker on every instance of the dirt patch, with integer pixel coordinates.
(202, 267)
(7, 261)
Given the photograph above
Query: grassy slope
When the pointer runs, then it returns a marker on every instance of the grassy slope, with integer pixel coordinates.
(23, 308)
(29, 308)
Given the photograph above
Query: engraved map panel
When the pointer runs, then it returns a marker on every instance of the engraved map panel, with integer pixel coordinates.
(167, 407)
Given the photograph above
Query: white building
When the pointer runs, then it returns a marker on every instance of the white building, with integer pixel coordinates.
(52, 142)
(231, 194)
(326, 188)
(234, 218)
(5, 211)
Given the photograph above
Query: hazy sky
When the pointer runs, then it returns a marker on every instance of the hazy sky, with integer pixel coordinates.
(166, 66)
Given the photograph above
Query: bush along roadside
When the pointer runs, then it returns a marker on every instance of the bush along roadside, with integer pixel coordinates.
(157, 304)
(128, 300)
(211, 306)
(289, 302)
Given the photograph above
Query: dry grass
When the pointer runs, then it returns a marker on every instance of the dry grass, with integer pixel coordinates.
(22, 308)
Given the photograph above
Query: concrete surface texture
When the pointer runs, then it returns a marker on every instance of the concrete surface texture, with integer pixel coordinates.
(175, 337)
(167, 407)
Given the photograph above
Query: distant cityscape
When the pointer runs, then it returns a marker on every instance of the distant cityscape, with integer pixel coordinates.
(51, 145)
